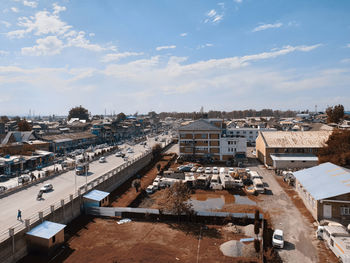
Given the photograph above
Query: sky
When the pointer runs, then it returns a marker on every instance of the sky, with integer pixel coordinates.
(161, 55)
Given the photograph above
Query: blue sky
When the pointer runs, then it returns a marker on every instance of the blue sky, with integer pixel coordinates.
(173, 55)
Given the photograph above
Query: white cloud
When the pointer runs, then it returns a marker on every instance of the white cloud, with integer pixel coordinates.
(205, 45)
(345, 60)
(32, 4)
(78, 39)
(50, 45)
(238, 1)
(183, 34)
(211, 13)
(3, 53)
(165, 47)
(91, 34)
(267, 26)
(14, 9)
(117, 56)
(57, 9)
(215, 16)
(5, 23)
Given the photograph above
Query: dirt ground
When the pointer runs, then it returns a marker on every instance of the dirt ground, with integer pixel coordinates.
(103, 240)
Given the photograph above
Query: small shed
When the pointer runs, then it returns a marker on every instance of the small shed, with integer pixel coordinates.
(46, 237)
(96, 198)
(293, 160)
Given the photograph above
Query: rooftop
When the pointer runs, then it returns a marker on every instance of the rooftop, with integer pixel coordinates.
(96, 195)
(296, 139)
(200, 125)
(314, 180)
(293, 157)
(46, 230)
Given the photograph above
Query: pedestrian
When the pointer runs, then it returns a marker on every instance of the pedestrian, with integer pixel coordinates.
(19, 215)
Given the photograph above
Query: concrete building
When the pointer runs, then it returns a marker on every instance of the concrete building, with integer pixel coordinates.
(325, 191)
(45, 237)
(206, 138)
(249, 133)
(287, 144)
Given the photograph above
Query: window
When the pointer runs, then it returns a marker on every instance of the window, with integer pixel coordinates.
(251, 132)
(345, 211)
(204, 136)
(53, 239)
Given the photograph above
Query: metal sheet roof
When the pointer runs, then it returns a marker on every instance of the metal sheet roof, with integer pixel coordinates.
(46, 230)
(199, 125)
(293, 157)
(96, 195)
(325, 180)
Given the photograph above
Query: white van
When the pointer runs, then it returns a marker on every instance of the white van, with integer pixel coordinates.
(222, 170)
(258, 186)
(215, 183)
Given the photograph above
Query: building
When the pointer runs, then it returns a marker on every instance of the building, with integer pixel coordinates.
(45, 237)
(249, 133)
(96, 198)
(206, 138)
(288, 144)
(325, 191)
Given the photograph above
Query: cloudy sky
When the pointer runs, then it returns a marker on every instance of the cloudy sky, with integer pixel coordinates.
(178, 55)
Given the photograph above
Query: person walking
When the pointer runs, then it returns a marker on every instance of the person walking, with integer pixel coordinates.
(19, 215)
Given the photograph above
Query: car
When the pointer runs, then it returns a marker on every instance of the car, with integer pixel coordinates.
(215, 170)
(194, 169)
(207, 170)
(184, 168)
(46, 188)
(200, 170)
(119, 154)
(277, 238)
(150, 189)
(130, 151)
(231, 170)
(102, 160)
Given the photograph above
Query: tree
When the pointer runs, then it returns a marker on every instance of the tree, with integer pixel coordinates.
(335, 114)
(78, 112)
(120, 117)
(175, 199)
(156, 150)
(23, 125)
(336, 149)
(4, 119)
(136, 184)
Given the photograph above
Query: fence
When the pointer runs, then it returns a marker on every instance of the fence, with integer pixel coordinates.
(38, 216)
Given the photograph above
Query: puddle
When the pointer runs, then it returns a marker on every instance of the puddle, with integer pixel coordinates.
(209, 202)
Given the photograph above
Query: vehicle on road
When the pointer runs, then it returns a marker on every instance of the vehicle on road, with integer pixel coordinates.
(46, 188)
(258, 185)
(130, 150)
(102, 160)
(277, 238)
(119, 154)
(337, 240)
(82, 169)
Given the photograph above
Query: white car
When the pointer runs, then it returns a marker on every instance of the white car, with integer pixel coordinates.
(119, 154)
(46, 188)
(215, 170)
(194, 169)
(150, 189)
(200, 170)
(130, 151)
(231, 170)
(277, 238)
(208, 170)
(102, 160)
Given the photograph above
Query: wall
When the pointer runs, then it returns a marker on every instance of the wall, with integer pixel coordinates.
(283, 164)
(64, 211)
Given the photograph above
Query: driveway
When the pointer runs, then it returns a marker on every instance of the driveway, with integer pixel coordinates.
(300, 241)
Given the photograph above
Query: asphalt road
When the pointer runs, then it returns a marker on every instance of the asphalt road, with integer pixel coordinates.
(63, 185)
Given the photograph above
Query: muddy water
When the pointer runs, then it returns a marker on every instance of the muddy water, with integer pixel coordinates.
(209, 202)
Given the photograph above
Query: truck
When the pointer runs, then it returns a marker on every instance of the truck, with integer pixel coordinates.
(337, 240)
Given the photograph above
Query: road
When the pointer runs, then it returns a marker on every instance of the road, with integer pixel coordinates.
(64, 185)
(300, 241)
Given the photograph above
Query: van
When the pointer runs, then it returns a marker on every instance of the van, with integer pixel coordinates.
(222, 170)
(215, 183)
(258, 185)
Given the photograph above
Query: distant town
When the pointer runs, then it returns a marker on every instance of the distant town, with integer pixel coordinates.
(258, 186)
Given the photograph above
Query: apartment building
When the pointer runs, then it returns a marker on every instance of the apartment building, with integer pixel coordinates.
(206, 138)
(249, 133)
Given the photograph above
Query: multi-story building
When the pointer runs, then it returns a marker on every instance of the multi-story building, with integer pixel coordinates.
(249, 133)
(206, 138)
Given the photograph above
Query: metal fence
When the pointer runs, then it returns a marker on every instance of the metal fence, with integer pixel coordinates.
(39, 215)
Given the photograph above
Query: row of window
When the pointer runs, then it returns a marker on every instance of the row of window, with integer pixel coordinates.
(238, 132)
(296, 150)
(231, 142)
(232, 150)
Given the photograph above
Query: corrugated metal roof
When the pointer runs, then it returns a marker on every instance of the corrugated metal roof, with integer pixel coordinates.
(296, 139)
(293, 157)
(325, 180)
(200, 125)
(46, 230)
(96, 195)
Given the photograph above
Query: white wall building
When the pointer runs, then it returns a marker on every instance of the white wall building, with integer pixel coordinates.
(249, 133)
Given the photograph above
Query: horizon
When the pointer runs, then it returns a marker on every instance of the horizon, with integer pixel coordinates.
(173, 56)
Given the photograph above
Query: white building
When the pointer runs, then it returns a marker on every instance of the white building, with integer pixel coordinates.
(249, 133)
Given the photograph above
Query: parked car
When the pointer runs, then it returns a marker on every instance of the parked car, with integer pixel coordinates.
(184, 168)
(194, 169)
(208, 170)
(130, 151)
(46, 188)
(200, 170)
(23, 179)
(231, 170)
(150, 189)
(102, 160)
(277, 238)
(215, 170)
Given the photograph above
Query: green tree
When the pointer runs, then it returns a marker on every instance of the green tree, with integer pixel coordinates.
(23, 125)
(335, 114)
(78, 112)
(336, 149)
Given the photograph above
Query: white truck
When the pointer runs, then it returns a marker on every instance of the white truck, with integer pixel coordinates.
(337, 239)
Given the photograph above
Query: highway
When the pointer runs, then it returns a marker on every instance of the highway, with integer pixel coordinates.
(63, 186)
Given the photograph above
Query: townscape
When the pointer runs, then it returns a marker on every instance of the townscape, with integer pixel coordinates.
(174, 131)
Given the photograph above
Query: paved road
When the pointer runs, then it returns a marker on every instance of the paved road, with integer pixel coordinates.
(64, 185)
(300, 245)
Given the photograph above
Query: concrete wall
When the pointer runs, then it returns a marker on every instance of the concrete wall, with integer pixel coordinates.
(283, 164)
(16, 247)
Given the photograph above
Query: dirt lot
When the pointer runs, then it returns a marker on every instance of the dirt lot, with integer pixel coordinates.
(103, 240)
